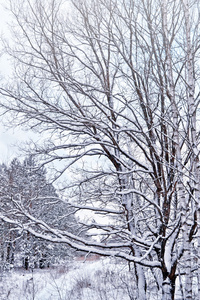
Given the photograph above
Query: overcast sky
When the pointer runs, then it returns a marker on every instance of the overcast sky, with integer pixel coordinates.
(10, 139)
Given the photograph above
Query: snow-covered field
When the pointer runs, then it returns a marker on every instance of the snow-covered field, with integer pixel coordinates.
(97, 280)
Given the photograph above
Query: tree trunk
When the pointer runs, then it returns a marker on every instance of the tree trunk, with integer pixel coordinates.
(26, 263)
(141, 283)
(168, 288)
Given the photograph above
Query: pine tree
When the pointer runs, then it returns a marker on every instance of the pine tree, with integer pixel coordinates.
(24, 186)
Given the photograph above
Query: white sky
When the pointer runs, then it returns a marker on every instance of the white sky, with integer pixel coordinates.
(9, 138)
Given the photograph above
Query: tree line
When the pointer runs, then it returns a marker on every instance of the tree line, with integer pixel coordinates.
(25, 185)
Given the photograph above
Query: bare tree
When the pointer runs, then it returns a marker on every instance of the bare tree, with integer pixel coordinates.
(115, 86)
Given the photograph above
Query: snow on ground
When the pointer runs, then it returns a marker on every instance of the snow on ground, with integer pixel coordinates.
(105, 279)
(99, 280)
